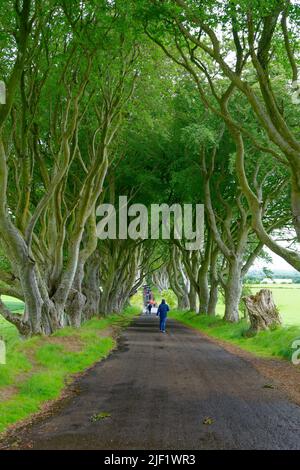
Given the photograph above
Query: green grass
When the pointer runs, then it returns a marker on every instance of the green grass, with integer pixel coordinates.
(275, 343)
(15, 305)
(16, 361)
(39, 368)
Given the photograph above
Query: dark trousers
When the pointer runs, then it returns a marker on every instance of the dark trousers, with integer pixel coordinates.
(162, 322)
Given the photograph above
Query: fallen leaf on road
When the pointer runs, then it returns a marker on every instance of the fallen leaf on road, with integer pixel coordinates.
(268, 386)
(100, 416)
(207, 420)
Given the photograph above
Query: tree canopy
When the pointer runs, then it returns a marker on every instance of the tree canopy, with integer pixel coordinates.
(165, 102)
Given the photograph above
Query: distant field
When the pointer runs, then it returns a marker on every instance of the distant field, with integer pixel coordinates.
(7, 330)
(13, 304)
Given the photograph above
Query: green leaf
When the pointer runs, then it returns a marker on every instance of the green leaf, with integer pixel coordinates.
(100, 416)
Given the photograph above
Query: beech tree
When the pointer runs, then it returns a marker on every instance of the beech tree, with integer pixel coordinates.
(243, 43)
(53, 109)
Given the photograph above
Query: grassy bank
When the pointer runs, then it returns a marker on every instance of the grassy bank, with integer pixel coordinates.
(276, 343)
(37, 369)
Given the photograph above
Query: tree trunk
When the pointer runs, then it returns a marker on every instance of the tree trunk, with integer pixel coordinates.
(18, 254)
(233, 290)
(74, 307)
(91, 287)
(182, 302)
(295, 197)
(33, 299)
(203, 277)
(193, 298)
(178, 279)
(203, 292)
(213, 298)
(50, 321)
(262, 311)
(214, 284)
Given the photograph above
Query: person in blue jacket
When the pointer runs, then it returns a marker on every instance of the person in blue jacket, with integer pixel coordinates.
(162, 311)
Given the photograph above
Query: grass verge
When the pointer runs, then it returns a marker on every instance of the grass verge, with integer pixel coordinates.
(276, 343)
(37, 369)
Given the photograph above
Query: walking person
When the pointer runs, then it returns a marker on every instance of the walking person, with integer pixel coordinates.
(149, 307)
(162, 311)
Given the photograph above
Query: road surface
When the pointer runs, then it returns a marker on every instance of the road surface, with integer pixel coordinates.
(159, 389)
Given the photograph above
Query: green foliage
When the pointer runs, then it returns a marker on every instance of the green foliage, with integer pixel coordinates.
(4, 262)
(100, 416)
(268, 272)
(137, 299)
(170, 298)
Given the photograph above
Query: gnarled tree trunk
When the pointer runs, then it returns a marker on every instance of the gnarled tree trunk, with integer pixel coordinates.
(203, 291)
(91, 286)
(213, 299)
(262, 311)
(178, 279)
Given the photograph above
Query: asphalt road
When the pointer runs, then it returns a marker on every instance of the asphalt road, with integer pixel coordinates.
(158, 390)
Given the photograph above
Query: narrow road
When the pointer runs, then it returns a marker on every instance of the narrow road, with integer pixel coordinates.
(158, 390)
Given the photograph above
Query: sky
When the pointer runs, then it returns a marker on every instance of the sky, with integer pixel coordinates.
(277, 264)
